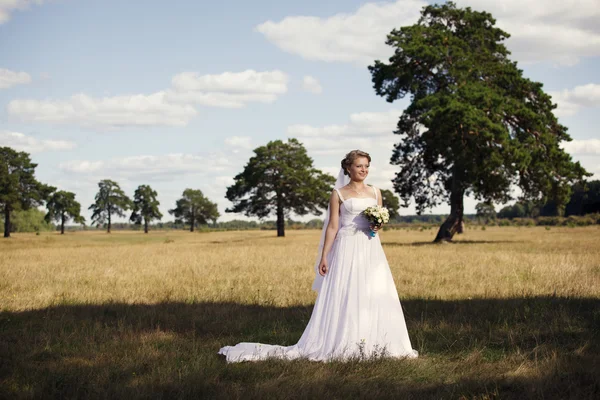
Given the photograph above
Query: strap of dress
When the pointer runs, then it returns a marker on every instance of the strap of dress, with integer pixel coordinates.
(339, 194)
(375, 191)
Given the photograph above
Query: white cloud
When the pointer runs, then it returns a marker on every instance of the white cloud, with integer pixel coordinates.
(334, 146)
(8, 6)
(376, 122)
(229, 89)
(110, 112)
(367, 131)
(172, 107)
(596, 172)
(22, 142)
(365, 124)
(10, 78)
(560, 32)
(153, 168)
(570, 101)
(312, 85)
(585, 147)
(248, 81)
(239, 142)
(358, 37)
(222, 100)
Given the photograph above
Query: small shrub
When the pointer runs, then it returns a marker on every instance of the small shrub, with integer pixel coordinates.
(504, 222)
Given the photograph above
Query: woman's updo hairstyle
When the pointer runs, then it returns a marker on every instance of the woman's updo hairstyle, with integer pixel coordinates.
(350, 157)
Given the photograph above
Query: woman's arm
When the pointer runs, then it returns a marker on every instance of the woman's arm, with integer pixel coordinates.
(331, 232)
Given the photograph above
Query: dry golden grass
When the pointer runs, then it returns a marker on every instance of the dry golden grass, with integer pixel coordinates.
(502, 312)
(256, 268)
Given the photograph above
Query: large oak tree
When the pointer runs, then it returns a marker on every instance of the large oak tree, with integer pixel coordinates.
(474, 124)
(110, 200)
(145, 206)
(280, 178)
(194, 208)
(19, 189)
(62, 206)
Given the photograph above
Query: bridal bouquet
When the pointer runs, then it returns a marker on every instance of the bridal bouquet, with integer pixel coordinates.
(377, 216)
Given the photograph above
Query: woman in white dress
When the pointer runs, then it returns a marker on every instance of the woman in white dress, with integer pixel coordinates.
(357, 313)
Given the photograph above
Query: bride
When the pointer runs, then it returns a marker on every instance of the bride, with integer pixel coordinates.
(357, 313)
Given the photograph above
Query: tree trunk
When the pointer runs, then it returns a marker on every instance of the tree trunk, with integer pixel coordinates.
(192, 221)
(280, 220)
(6, 221)
(454, 223)
(108, 230)
(62, 223)
(145, 225)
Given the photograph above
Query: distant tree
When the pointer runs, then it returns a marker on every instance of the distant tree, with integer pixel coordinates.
(485, 211)
(391, 202)
(62, 206)
(575, 204)
(315, 223)
(591, 203)
(530, 208)
(145, 207)
(280, 178)
(474, 125)
(30, 220)
(515, 211)
(193, 208)
(110, 200)
(19, 190)
(551, 209)
(585, 199)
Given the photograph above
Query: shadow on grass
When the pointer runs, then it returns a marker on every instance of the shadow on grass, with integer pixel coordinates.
(472, 348)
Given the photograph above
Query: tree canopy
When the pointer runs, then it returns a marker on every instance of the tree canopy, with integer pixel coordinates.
(145, 206)
(19, 189)
(194, 208)
(280, 178)
(474, 124)
(62, 206)
(485, 211)
(391, 202)
(110, 200)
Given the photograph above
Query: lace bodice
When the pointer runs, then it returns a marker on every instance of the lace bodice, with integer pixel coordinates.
(352, 221)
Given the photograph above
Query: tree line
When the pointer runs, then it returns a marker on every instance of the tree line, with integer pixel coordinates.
(584, 199)
(279, 179)
(20, 190)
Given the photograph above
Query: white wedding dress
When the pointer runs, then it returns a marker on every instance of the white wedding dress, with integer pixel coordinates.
(357, 313)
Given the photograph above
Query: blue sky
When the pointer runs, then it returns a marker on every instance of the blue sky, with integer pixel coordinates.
(176, 94)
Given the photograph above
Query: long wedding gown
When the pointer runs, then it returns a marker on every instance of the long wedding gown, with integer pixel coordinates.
(357, 312)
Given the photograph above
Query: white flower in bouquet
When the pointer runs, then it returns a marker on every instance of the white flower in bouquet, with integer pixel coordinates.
(377, 215)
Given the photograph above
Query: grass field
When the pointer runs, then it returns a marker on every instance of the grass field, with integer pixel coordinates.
(501, 313)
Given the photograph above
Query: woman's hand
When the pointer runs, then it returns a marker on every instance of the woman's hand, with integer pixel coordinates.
(375, 228)
(323, 267)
